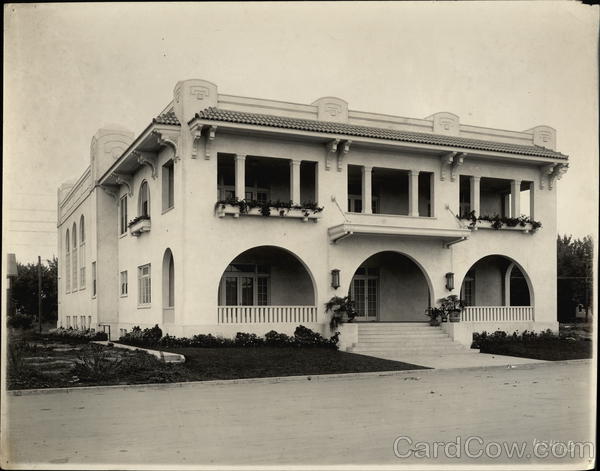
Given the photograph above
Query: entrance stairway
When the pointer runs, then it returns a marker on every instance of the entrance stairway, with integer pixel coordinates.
(386, 340)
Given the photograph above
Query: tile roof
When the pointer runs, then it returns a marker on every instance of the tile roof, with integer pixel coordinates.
(216, 114)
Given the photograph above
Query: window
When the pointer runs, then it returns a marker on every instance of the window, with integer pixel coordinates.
(467, 293)
(82, 252)
(68, 321)
(123, 215)
(355, 204)
(144, 209)
(75, 326)
(245, 285)
(93, 279)
(168, 193)
(89, 322)
(83, 325)
(144, 285)
(124, 286)
(67, 262)
(74, 257)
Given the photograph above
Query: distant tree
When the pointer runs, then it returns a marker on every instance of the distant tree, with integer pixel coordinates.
(574, 270)
(25, 289)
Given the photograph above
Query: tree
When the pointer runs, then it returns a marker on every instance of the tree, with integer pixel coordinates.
(25, 289)
(574, 258)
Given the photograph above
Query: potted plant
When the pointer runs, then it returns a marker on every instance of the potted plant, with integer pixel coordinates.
(452, 306)
(342, 310)
(434, 314)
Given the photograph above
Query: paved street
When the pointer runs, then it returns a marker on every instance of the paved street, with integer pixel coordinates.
(336, 421)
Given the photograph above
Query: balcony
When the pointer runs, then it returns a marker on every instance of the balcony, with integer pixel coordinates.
(395, 225)
(139, 225)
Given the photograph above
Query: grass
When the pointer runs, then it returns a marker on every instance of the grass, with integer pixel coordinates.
(261, 362)
(38, 362)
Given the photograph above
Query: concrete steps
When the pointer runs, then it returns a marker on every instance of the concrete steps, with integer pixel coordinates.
(409, 339)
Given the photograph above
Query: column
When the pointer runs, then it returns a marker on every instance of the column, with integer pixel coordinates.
(413, 192)
(531, 200)
(366, 190)
(515, 198)
(474, 188)
(240, 176)
(295, 181)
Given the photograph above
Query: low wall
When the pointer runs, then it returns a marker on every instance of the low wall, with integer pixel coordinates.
(462, 332)
(348, 336)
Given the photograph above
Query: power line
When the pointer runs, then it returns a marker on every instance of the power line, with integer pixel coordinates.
(29, 230)
(32, 209)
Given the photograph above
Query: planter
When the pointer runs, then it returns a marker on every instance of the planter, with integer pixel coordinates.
(444, 317)
(434, 322)
(454, 316)
(223, 210)
(488, 225)
(139, 227)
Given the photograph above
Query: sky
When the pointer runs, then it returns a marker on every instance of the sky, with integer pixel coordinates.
(70, 69)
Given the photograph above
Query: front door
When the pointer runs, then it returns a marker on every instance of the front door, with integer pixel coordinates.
(365, 293)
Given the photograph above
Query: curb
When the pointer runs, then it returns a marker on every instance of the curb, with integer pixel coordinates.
(284, 379)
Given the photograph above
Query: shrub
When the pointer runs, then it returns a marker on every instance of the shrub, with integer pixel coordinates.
(76, 335)
(143, 338)
(275, 339)
(248, 340)
(20, 321)
(96, 363)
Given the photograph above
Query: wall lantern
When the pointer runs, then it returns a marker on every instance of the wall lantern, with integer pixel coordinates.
(335, 278)
(449, 281)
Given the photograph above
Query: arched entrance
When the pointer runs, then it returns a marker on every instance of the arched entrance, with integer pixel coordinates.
(266, 284)
(496, 288)
(390, 286)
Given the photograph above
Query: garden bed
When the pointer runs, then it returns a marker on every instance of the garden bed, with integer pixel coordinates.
(542, 346)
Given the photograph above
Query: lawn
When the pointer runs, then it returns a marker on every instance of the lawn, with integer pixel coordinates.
(40, 362)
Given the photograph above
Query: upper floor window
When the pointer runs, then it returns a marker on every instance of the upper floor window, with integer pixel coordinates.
(67, 262)
(93, 279)
(144, 285)
(124, 284)
(144, 204)
(74, 257)
(82, 252)
(123, 215)
(168, 181)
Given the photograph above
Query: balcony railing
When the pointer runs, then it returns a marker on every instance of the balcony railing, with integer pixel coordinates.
(139, 225)
(265, 314)
(497, 314)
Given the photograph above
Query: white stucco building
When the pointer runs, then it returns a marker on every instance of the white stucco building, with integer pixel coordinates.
(143, 241)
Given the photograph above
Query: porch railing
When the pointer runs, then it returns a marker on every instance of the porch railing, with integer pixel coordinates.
(497, 313)
(265, 314)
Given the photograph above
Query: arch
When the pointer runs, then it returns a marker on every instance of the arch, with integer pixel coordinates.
(284, 272)
(144, 200)
(82, 229)
(168, 279)
(412, 259)
(399, 283)
(506, 274)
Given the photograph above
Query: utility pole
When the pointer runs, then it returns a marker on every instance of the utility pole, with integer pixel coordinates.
(40, 294)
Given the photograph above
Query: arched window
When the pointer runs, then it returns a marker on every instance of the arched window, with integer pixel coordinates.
(82, 251)
(144, 204)
(168, 280)
(74, 256)
(67, 262)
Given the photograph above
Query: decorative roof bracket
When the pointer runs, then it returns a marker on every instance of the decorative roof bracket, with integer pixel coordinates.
(445, 162)
(332, 147)
(557, 173)
(342, 152)
(168, 139)
(546, 170)
(457, 162)
(147, 158)
(111, 190)
(210, 139)
(126, 180)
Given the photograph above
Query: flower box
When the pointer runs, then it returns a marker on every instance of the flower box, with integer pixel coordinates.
(224, 209)
(136, 228)
(528, 227)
